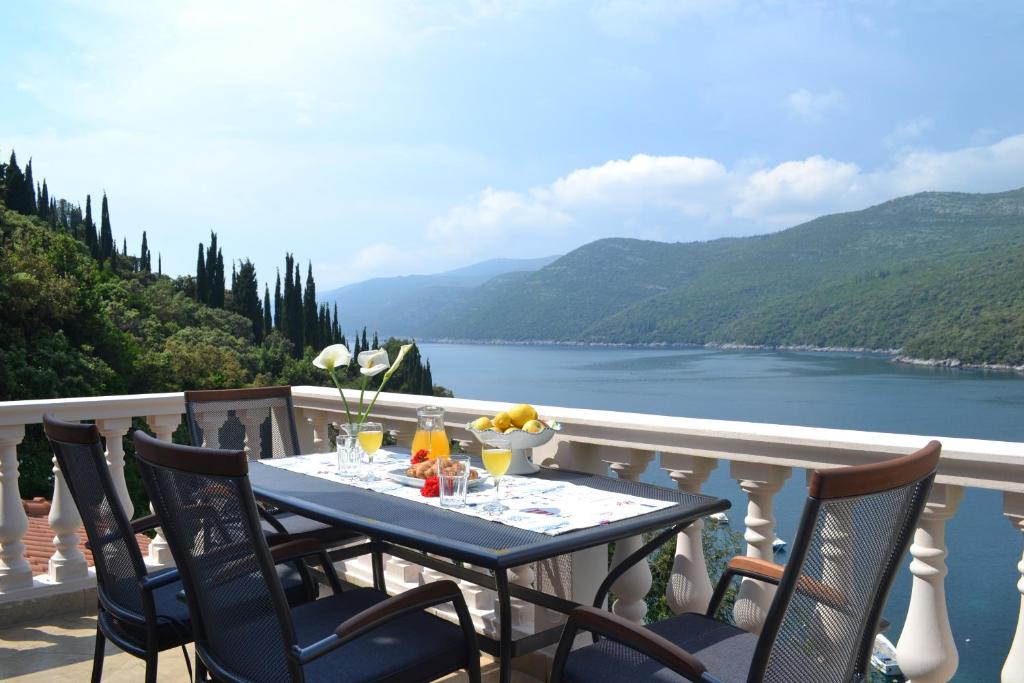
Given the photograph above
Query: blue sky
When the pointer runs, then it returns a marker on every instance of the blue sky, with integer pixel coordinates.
(384, 138)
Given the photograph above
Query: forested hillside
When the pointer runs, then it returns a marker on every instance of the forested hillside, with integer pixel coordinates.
(940, 275)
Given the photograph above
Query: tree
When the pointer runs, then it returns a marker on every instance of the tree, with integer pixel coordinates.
(43, 205)
(278, 302)
(336, 326)
(376, 342)
(202, 279)
(159, 263)
(295, 320)
(91, 240)
(245, 297)
(106, 235)
(28, 192)
(13, 182)
(286, 302)
(268, 323)
(145, 265)
(310, 315)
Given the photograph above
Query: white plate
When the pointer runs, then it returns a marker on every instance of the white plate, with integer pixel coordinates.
(399, 476)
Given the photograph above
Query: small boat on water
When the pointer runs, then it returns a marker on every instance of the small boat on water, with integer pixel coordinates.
(720, 517)
(883, 657)
(778, 545)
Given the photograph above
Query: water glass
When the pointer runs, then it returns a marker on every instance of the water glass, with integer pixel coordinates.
(453, 480)
(349, 455)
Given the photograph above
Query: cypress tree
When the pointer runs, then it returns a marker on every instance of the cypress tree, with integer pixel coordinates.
(124, 246)
(268, 322)
(144, 262)
(106, 235)
(335, 326)
(310, 316)
(365, 344)
(202, 279)
(13, 180)
(28, 192)
(44, 202)
(286, 312)
(217, 285)
(295, 320)
(376, 343)
(245, 299)
(159, 263)
(90, 228)
(278, 302)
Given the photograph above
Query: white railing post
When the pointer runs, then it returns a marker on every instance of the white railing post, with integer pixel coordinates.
(113, 431)
(926, 651)
(163, 427)
(760, 482)
(321, 441)
(631, 588)
(305, 429)
(15, 571)
(1013, 668)
(689, 586)
(67, 562)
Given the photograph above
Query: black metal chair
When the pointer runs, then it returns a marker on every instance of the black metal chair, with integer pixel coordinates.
(261, 422)
(244, 629)
(142, 612)
(857, 524)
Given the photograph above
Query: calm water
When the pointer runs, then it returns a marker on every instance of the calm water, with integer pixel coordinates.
(850, 391)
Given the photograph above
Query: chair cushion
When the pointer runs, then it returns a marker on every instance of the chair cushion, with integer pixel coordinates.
(301, 527)
(416, 647)
(725, 650)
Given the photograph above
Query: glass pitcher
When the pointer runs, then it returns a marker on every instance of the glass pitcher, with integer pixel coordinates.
(430, 434)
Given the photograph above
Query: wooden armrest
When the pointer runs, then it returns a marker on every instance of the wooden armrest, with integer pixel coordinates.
(754, 568)
(414, 600)
(632, 635)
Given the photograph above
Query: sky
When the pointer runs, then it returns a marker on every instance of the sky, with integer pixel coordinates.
(387, 138)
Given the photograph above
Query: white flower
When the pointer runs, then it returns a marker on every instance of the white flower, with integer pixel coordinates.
(399, 358)
(373, 362)
(334, 356)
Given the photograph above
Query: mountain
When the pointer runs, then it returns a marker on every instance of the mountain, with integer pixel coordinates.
(405, 305)
(940, 275)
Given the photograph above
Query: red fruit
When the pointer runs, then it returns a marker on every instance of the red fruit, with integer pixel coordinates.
(420, 456)
(431, 488)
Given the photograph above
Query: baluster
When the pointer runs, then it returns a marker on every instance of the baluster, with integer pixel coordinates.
(15, 571)
(113, 431)
(163, 427)
(760, 482)
(689, 586)
(631, 588)
(67, 562)
(926, 651)
(305, 428)
(1013, 669)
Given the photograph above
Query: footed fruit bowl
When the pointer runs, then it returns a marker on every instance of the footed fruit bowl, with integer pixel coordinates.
(521, 442)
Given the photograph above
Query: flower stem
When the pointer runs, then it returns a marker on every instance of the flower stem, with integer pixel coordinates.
(344, 400)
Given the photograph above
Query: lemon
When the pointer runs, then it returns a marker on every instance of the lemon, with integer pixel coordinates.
(521, 414)
(501, 421)
(511, 429)
(482, 424)
(533, 426)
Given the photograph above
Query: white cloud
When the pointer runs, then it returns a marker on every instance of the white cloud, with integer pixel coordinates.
(495, 211)
(812, 106)
(785, 191)
(643, 178)
(909, 131)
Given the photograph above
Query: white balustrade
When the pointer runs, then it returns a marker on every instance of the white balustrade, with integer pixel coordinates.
(163, 427)
(15, 572)
(926, 652)
(67, 562)
(689, 586)
(1013, 668)
(760, 458)
(760, 482)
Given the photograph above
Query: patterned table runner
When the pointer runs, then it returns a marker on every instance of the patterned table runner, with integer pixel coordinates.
(541, 505)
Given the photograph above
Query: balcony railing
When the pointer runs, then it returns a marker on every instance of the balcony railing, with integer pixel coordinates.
(761, 458)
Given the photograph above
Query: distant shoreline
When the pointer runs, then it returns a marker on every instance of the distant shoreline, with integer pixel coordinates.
(895, 355)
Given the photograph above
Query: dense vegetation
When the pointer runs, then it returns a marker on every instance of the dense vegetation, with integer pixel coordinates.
(80, 317)
(940, 275)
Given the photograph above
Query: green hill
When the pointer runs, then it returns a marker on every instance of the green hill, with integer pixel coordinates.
(940, 275)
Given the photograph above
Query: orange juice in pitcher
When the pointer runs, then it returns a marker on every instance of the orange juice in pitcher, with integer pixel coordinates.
(430, 434)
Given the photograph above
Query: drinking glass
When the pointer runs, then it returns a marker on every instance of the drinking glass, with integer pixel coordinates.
(349, 455)
(371, 437)
(497, 460)
(453, 480)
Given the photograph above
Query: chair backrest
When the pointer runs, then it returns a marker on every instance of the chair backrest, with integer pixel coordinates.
(856, 525)
(115, 552)
(240, 616)
(259, 421)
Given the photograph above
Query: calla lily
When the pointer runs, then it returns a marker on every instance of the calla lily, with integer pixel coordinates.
(334, 356)
(398, 359)
(373, 362)
(391, 370)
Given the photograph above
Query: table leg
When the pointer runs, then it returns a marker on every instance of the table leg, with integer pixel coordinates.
(377, 562)
(504, 626)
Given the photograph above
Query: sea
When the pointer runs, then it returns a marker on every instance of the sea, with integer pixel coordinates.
(842, 390)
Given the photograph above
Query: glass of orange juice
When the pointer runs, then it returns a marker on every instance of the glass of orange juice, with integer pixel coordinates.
(371, 437)
(496, 459)
(430, 434)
